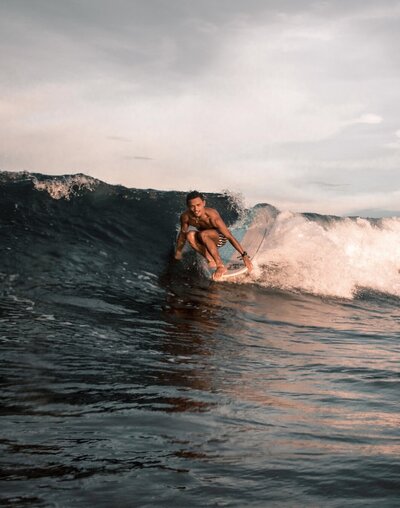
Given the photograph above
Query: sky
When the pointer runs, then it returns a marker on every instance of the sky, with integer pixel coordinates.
(292, 102)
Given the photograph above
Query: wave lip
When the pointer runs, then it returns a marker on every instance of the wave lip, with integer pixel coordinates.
(65, 186)
(58, 187)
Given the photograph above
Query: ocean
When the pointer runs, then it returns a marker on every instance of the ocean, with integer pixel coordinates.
(131, 380)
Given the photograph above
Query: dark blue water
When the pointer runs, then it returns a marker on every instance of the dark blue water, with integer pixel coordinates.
(130, 380)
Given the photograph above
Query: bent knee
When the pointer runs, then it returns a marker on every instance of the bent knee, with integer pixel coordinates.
(203, 235)
(191, 237)
(207, 234)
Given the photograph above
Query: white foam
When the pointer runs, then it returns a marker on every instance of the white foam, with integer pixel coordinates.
(332, 258)
(64, 187)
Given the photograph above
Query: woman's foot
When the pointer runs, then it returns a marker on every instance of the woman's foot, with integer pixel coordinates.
(211, 263)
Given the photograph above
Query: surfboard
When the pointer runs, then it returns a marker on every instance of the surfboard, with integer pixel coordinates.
(233, 271)
(251, 234)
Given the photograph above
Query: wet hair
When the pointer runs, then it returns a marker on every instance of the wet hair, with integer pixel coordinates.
(193, 195)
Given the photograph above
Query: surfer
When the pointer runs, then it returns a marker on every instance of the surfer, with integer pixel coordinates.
(211, 234)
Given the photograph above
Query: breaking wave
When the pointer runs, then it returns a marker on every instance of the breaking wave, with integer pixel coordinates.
(71, 227)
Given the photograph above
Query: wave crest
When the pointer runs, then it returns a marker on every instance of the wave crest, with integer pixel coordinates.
(64, 187)
(330, 256)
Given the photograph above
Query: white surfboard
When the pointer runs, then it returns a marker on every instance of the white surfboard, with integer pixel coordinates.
(233, 271)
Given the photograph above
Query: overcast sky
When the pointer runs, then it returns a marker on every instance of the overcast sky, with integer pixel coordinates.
(295, 103)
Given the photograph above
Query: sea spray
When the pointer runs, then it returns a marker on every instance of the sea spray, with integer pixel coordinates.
(330, 256)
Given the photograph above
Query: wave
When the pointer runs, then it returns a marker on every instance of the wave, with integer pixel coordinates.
(330, 256)
(76, 228)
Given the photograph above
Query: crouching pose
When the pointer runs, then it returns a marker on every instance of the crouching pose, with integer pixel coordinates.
(211, 234)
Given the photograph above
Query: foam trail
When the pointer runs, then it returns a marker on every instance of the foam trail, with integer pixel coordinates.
(330, 256)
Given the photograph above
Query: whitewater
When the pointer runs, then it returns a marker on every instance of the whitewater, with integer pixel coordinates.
(129, 379)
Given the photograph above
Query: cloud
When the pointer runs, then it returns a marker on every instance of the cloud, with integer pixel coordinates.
(329, 185)
(369, 119)
(394, 144)
(138, 158)
(119, 138)
(264, 97)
